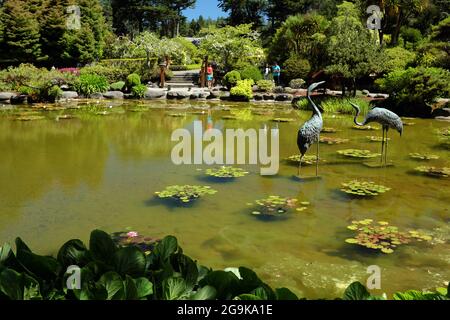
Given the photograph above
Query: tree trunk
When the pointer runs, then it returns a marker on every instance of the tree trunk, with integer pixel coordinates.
(398, 24)
(343, 87)
(354, 86)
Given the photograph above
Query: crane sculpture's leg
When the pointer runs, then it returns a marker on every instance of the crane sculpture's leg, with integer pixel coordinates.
(300, 165)
(317, 155)
(382, 147)
(385, 149)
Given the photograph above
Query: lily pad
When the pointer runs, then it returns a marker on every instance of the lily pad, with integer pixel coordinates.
(381, 236)
(185, 193)
(363, 188)
(133, 238)
(330, 140)
(275, 206)
(434, 171)
(366, 128)
(377, 139)
(282, 120)
(420, 156)
(357, 153)
(307, 160)
(226, 172)
(29, 118)
(329, 130)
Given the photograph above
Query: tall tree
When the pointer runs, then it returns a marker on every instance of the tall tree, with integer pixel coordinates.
(244, 11)
(21, 31)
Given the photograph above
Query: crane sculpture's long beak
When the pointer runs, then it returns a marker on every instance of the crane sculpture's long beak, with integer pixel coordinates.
(314, 86)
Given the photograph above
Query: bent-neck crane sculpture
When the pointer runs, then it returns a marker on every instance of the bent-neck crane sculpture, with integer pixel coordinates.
(386, 118)
(310, 131)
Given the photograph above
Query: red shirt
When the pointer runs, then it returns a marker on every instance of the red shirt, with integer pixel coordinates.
(209, 70)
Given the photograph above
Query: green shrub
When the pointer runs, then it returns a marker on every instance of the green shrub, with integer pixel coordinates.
(155, 76)
(339, 105)
(231, 79)
(133, 80)
(296, 67)
(417, 84)
(243, 90)
(296, 83)
(398, 59)
(411, 35)
(89, 83)
(132, 65)
(118, 86)
(251, 72)
(265, 85)
(139, 90)
(111, 73)
(54, 93)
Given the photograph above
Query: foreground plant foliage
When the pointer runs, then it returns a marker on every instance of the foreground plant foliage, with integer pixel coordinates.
(126, 272)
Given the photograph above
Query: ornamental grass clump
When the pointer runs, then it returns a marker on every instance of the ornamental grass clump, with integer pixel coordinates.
(226, 172)
(274, 206)
(330, 140)
(133, 238)
(185, 194)
(381, 236)
(357, 153)
(434, 171)
(420, 156)
(363, 188)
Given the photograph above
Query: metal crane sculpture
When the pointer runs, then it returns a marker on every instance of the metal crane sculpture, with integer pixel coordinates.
(310, 131)
(386, 118)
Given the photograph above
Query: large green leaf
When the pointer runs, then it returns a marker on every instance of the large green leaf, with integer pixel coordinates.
(175, 289)
(5, 253)
(144, 287)
(102, 247)
(167, 247)
(205, 293)
(73, 252)
(186, 267)
(226, 283)
(285, 294)
(129, 261)
(356, 291)
(247, 296)
(131, 291)
(417, 295)
(114, 285)
(42, 267)
(18, 286)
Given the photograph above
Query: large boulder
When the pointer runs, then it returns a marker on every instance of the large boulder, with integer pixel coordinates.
(155, 93)
(7, 95)
(178, 94)
(284, 97)
(268, 96)
(113, 95)
(19, 99)
(96, 95)
(258, 97)
(214, 94)
(69, 95)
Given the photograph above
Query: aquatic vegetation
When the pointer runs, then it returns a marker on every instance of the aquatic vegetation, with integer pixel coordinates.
(186, 193)
(133, 238)
(274, 206)
(363, 188)
(366, 128)
(376, 138)
(382, 236)
(242, 114)
(434, 171)
(229, 118)
(307, 159)
(177, 115)
(226, 172)
(282, 120)
(420, 156)
(29, 118)
(330, 140)
(357, 153)
(122, 271)
(444, 137)
(329, 130)
(444, 132)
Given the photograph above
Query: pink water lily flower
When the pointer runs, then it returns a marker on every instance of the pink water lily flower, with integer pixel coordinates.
(132, 234)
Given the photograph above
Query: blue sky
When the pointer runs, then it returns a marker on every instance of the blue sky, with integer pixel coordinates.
(206, 8)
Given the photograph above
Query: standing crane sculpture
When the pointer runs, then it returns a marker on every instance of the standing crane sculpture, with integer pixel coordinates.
(310, 131)
(386, 118)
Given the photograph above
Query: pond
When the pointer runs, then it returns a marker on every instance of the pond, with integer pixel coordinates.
(98, 165)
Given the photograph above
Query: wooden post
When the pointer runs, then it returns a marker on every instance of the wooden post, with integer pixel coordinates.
(204, 72)
(162, 74)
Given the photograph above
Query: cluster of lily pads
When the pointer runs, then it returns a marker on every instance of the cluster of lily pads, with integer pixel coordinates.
(185, 193)
(382, 236)
(377, 139)
(366, 128)
(363, 188)
(307, 159)
(133, 238)
(329, 130)
(420, 156)
(282, 120)
(226, 172)
(330, 140)
(357, 153)
(434, 171)
(277, 206)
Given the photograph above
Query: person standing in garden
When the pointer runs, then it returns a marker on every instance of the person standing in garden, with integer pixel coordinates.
(276, 71)
(210, 76)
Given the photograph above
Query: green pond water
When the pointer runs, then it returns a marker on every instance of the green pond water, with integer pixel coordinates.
(61, 179)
